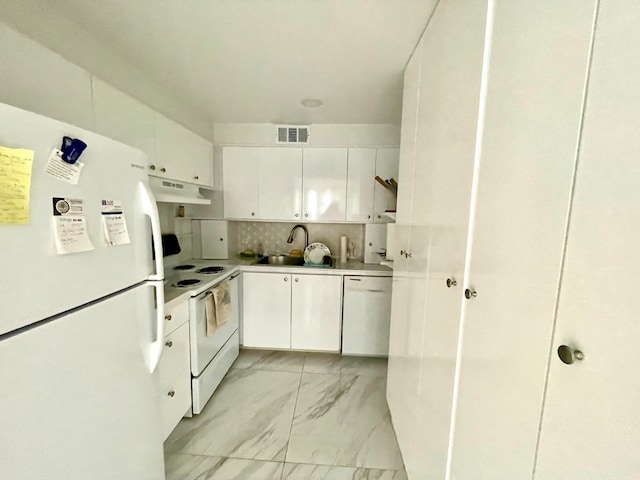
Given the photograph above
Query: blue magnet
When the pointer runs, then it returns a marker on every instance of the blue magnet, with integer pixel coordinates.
(71, 149)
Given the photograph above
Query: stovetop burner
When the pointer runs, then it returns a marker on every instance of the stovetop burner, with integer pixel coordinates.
(184, 267)
(187, 283)
(210, 270)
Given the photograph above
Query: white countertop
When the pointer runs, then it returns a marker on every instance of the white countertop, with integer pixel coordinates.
(173, 295)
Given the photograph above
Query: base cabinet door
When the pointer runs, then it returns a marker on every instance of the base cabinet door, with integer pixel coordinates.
(315, 312)
(266, 310)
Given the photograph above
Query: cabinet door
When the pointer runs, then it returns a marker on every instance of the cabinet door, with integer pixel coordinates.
(266, 300)
(316, 308)
(241, 185)
(521, 208)
(591, 424)
(397, 381)
(383, 198)
(181, 154)
(324, 184)
(124, 119)
(280, 179)
(361, 168)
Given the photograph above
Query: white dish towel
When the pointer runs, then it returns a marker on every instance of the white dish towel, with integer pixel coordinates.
(218, 308)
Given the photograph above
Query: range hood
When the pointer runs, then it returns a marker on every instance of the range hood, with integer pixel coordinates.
(170, 191)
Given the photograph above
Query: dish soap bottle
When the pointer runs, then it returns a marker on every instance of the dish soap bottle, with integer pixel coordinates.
(260, 251)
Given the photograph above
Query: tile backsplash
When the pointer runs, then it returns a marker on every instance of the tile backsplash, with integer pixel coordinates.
(273, 236)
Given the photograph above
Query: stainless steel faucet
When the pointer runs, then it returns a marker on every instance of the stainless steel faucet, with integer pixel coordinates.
(306, 235)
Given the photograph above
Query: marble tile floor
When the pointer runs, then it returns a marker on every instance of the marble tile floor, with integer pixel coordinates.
(293, 416)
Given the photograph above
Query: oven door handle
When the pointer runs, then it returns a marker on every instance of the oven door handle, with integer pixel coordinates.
(204, 295)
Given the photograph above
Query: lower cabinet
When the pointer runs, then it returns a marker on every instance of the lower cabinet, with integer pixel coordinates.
(291, 311)
(174, 370)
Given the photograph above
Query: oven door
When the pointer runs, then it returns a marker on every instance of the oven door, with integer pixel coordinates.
(204, 348)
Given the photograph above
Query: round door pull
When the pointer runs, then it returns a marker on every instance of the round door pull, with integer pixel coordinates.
(297, 279)
(169, 344)
(306, 214)
(222, 239)
(152, 167)
(167, 317)
(368, 216)
(286, 279)
(163, 169)
(171, 393)
(253, 214)
(468, 294)
(451, 282)
(568, 355)
(296, 215)
(196, 177)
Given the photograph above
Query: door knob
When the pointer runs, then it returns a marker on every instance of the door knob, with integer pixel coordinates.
(167, 317)
(163, 169)
(451, 282)
(286, 279)
(297, 279)
(171, 393)
(169, 344)
(152, 167)
(468, 293)
(568, 355)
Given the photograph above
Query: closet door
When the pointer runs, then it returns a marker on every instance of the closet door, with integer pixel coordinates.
(535, 88)
(591, 422)
(449, 102)
(397, 380)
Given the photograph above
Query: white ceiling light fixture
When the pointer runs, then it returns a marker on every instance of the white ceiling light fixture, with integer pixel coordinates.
(311, 102)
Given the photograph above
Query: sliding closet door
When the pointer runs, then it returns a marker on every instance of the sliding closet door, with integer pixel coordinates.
(538, 64)
(591, 422)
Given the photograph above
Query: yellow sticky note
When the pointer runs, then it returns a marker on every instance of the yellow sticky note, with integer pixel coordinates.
(15, 184)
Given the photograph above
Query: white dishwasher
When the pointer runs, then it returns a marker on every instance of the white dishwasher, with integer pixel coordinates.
(366, 315)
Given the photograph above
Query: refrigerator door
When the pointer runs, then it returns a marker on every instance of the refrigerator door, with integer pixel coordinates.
(78, 401)
(36, 282)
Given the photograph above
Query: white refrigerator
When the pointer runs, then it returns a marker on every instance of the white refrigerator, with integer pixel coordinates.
(80, 333)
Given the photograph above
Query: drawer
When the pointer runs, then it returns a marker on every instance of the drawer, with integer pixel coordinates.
(175, 316)
(175, 356)
(175, 400)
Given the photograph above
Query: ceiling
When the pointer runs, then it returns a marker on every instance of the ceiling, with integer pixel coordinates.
(253, 61)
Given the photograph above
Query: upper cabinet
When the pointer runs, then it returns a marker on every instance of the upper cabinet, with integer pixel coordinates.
(387, 161)
(280, 183)
(241, 182)
(360, 184)
(324, 184)
(307, 184)
(174, 152)
(135, 127)
(181, 154)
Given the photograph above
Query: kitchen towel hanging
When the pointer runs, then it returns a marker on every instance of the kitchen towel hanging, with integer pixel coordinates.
(218, 308)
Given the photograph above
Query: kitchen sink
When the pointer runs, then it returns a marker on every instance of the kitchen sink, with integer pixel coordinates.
(280, 260)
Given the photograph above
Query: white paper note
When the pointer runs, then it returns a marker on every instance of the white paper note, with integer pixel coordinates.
(70, 226)
(15, 184)
(68, 172)
(114, 224)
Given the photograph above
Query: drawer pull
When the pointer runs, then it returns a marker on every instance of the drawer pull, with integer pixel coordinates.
(167, 317)
(169, 344)
(171, 393)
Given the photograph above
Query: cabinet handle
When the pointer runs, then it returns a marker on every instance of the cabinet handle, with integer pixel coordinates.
(306, 214)
(379, 216)
(286, 279)
(368, 216)
(196, 177)
(568, 355)
(451, 282)
(253, 214)
(167, 317)
(296, 215)
(222, 239)
(171, 393)
(468, 294)
(297, 279)
(169, 344)
(163, 169)
(152, 167)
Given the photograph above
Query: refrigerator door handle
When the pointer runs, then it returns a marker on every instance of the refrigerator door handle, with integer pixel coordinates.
(150, 209)
(158, 344)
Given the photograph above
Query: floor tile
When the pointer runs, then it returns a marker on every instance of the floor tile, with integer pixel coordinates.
(298, 471)
(336, 363)
(269, 360)
(249, 416)
(198, 467)
(344, 421)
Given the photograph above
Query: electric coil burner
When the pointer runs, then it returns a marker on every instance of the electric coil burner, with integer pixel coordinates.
(184, 267)
(210, 270)
(189, 282)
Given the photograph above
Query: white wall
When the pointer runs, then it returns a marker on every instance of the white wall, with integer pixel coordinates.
(320, 135)
(39, 79)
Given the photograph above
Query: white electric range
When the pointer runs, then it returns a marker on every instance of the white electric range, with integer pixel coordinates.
(211, 356)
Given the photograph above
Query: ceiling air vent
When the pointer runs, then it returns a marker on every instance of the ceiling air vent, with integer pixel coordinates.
(289, 134)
